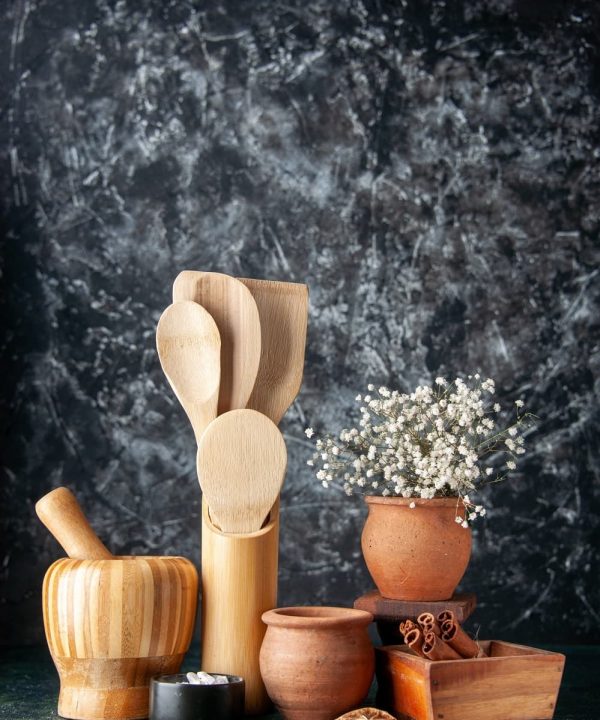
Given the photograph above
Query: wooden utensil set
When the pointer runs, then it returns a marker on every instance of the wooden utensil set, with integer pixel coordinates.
(233, 352)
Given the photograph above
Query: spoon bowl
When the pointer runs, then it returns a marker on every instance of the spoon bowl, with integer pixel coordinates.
(189, 348)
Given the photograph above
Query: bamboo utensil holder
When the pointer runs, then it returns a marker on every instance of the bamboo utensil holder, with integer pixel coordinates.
(112, 624)
(239, 583)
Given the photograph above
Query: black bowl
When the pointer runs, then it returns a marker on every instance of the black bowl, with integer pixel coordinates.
(173, 698)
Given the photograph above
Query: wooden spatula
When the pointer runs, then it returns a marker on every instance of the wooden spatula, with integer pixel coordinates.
(234, 310)
(241, 466)
(283, 313)
(62, 515)
(189, 348)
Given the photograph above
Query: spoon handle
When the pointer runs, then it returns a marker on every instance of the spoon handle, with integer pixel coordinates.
(62, 515)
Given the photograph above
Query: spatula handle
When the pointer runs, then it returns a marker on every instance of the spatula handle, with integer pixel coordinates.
(62, 515)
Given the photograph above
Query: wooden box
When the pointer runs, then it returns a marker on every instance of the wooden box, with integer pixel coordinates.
(514, 683)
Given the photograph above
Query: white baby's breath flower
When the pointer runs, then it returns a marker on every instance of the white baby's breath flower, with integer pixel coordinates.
(519, 403)
(465, 524)
(431, 442)
(412, 505)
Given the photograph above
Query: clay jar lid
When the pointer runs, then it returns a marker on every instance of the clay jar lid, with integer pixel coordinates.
(173, 698)
(316, 617)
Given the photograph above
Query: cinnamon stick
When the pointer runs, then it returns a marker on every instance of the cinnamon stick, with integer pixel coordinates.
(445, 615)
(434, 648)
(428, 623)
(458, 640)
(414, 640)
(406, 626)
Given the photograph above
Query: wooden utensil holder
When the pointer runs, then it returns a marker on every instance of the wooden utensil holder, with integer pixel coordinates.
(239, 583)
(111, 625)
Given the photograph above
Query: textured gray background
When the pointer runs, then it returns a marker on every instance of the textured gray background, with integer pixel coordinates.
(430, 169)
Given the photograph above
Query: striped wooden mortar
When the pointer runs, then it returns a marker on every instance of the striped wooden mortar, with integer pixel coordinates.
(111, 625)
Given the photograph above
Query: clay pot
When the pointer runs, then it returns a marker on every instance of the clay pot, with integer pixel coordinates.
(111, 625)
(416, 553)
(316, 662)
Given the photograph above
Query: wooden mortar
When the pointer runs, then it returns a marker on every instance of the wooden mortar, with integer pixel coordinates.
(111, 622)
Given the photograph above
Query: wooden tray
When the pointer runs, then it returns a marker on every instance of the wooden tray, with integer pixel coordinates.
(514, 683)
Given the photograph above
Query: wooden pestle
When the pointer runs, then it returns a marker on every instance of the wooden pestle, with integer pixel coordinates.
(62, 515)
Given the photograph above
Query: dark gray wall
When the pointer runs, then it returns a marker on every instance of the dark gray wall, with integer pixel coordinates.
(430, 169)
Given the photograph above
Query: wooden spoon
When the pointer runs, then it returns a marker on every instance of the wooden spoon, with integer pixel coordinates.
(241, 466)
(283, 312)
(189, 349)
(62, 515)
(232, 306)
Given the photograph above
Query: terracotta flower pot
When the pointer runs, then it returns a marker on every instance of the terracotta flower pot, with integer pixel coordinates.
(416, 553)
(316, 662)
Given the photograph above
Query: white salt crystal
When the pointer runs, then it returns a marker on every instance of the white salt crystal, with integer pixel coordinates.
(205, 678)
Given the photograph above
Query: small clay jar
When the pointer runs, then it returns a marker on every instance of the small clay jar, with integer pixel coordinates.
(316, 662)
(418, 553)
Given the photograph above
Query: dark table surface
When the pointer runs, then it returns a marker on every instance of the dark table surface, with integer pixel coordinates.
(29, 684)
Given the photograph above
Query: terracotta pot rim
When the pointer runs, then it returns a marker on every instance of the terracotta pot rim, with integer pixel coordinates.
(420, 502)
(316, 616)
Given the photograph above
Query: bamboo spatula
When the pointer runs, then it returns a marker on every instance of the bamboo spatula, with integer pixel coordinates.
(241, 466)
(283, 313)
(234, 310)
(189, 348)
